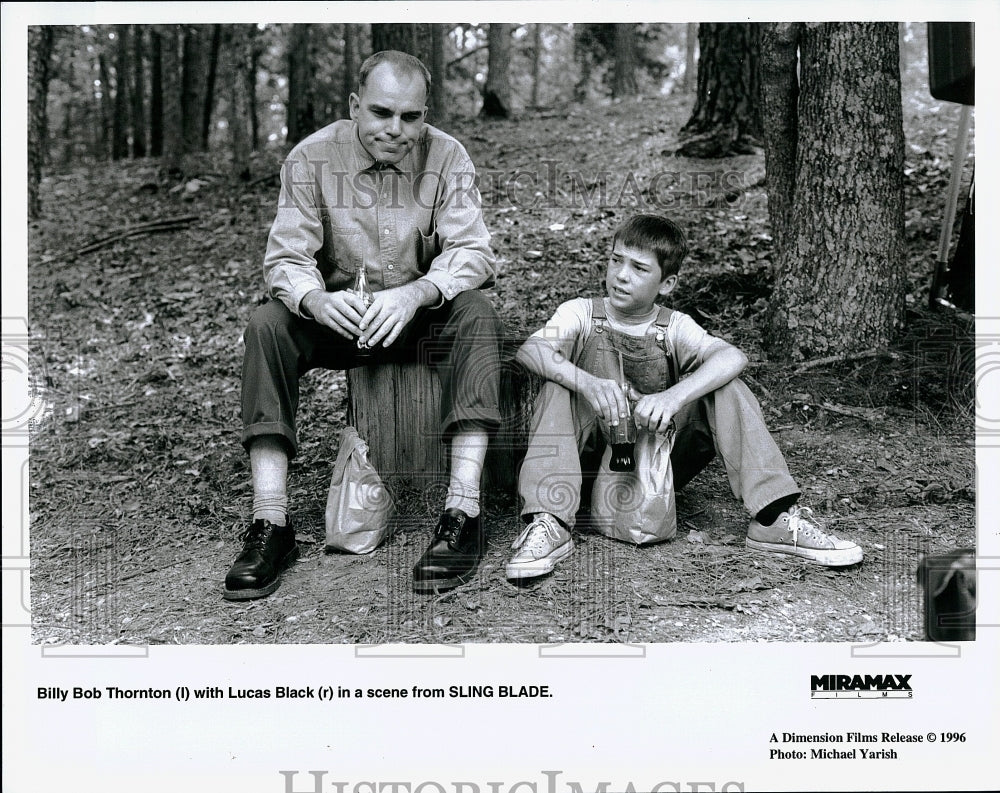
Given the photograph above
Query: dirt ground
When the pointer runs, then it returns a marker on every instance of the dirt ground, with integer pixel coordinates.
(139, 487)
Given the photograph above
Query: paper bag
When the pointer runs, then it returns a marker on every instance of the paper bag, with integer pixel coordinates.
(359, 506)
(637, 506)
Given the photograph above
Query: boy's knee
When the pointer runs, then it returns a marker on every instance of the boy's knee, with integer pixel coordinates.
(735, 392)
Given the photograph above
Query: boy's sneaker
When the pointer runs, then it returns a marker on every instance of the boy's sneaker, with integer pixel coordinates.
(794, 533)
(539, 547)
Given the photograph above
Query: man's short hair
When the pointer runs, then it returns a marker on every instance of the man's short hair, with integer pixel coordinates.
(401, 61)
(657, 235)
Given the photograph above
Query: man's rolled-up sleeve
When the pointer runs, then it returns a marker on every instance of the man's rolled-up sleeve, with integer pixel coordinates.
(466, 260)
(290, 270)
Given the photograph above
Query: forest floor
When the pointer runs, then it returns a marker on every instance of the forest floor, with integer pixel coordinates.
(139, 486)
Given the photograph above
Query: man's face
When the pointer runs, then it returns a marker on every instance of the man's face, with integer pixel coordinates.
(633, 280)
(390, 112)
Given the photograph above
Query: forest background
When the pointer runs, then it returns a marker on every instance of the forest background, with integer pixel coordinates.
(156, 153)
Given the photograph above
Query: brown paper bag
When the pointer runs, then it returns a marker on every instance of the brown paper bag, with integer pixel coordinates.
(359, 506)
(637, 506)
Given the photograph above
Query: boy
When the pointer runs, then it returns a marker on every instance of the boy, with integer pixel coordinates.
(678, 374)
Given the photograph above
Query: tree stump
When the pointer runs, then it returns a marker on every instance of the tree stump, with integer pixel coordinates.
(396, 409)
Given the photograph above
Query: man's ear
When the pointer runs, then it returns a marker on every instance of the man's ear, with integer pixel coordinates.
(667, 285)
(354, 105)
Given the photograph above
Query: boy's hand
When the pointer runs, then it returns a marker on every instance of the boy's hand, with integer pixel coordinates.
(607, 399)
(654, 412)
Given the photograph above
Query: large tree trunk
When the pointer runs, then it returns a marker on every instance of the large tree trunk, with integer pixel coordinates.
(726, 116)
(840, 267)
(690, 47)
(139, 128)
(173, 129)
(301, 83)
(193, 70)
(497, 93)
(156, 94)
(623, 81)
(240, 126)
(119, 124)
(419, 40)
(436, 105)
(40, 40)
(213, 69)
(779, 100)
(350, 79)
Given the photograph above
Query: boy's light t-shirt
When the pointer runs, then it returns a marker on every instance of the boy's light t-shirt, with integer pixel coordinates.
(565, 331)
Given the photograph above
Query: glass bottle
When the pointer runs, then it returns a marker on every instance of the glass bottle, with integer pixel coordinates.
(623, 436)
(362, 290)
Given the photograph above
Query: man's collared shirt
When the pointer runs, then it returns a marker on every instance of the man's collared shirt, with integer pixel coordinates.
(339, 210)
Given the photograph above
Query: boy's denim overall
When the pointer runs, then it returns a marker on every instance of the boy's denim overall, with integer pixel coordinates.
(727, 421)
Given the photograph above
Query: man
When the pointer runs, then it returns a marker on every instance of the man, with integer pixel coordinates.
(388, 193)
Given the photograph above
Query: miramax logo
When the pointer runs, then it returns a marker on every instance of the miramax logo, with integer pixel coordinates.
(861, 686)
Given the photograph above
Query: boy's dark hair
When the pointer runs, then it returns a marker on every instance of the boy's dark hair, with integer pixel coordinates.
(399, 60)
(661, 237)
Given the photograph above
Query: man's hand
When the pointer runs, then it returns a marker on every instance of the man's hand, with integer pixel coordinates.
(340, 311)
(607, 399)
(392, 310)
(654, 412)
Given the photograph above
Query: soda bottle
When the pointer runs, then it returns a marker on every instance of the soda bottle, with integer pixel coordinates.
(623, 436)
(363, 291)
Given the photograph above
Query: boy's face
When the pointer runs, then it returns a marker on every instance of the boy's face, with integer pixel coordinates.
(633, 280)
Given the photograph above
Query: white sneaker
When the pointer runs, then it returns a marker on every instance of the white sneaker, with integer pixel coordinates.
(543, 543)
(794, 533)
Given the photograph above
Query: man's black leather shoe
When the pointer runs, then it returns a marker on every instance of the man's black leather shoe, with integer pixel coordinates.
(267, 550)
(453, 556)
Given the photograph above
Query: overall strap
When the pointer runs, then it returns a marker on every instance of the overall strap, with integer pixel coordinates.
(660, 328)
(598, 316)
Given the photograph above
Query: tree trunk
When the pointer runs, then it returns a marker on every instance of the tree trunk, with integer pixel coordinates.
(726, 116)
(902, 48)
(138, 93)
(397, 36)
(119, 125)
(623, 82)
(40, 40)
(350, 81)
(436, 106)
(156, 94)
(691, 46)
(240, 132)
(497, 93)
(213, 70)
(193, 71)
(536, 63)
(251, 64)
(421, 40)
(173, 128)
(301, 83)
(840, 269)
(779, 100)
(107, 111)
